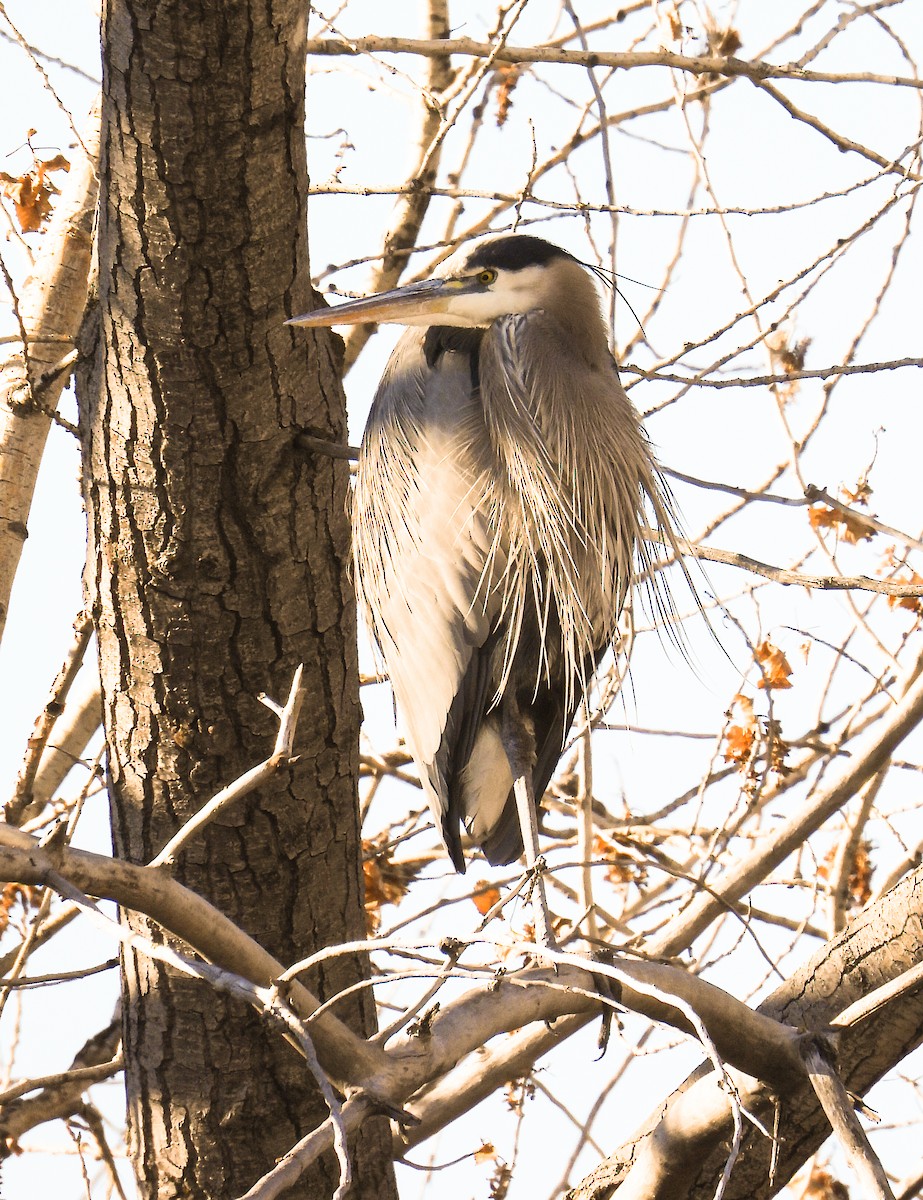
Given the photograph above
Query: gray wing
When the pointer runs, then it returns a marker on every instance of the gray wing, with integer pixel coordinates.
(423, 540)
(576, 470)
(495, 532)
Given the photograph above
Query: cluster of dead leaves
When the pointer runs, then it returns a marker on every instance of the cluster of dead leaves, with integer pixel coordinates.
(747, 737)
(788, 357)
(791, 356)
(912, 604)
(622, 867)
(720, 40)
(386, 881)
(889, 565)
(518, 1091)
(13, 894)
(502, 1175)
(859, 885)
(31, 192)
(740, 739)
(850, 527)
(723, 42)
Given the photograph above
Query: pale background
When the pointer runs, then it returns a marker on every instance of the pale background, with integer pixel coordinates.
(756, 157)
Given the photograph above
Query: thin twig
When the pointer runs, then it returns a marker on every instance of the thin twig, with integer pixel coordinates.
(54, 705)
(281, 757)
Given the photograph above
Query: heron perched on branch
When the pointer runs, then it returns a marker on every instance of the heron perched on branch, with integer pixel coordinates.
(503, 491)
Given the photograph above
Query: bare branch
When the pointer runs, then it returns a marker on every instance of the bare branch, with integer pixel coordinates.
(82, 1075)
(22, 795)
(693, 64)
(412, 207)
(73, 731)
(839, 140)
(836, 583)
(149, 890)
(281, 757)
(833, 371)
(62, 1095)
(838, 1107)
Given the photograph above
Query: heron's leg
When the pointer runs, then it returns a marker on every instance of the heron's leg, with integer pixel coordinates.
(519, 743)
(525, 804)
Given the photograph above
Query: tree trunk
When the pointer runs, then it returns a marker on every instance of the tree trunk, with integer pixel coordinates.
(217, 562)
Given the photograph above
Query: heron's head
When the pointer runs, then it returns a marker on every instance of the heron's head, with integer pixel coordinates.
(496, 276)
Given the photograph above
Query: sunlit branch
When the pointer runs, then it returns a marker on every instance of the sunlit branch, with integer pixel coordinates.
(694, 65)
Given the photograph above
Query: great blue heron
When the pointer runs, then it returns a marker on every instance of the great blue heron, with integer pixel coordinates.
(502, 491)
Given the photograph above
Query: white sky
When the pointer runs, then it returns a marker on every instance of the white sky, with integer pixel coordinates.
(756, 155)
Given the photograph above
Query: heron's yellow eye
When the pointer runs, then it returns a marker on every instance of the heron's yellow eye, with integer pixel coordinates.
(487, 277)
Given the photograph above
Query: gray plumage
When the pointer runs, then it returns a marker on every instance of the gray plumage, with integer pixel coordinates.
(503, 485)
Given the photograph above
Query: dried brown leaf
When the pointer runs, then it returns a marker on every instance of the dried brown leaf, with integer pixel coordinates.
(386, 881)
(793, 357)
(738, 744)
(518, 1091)
(775, 667)
(912, 604)
(13, 894)
(859, 884)
(778, 748)
(485, 897)
(621, 867)
(824, 1186)
(31, 192)
(500, 1182)
(860, 494)
(724, 41)
(508, 75)
(860, 877)
(851, 527)
(741, 736)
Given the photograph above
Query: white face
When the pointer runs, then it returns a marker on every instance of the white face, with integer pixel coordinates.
(508, 292)
(462, 293)
(511, 292)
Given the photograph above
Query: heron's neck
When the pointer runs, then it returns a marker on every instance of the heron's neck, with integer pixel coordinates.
(441, 338)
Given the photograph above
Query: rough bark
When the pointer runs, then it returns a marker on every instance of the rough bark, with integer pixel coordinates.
(217, 562)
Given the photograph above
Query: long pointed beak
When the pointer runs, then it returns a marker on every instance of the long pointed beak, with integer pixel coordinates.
(399, 306)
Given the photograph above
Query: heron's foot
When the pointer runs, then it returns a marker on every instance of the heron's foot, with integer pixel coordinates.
(535, 895)
(533, 876)
(610, 994)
